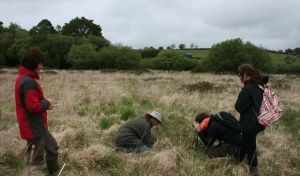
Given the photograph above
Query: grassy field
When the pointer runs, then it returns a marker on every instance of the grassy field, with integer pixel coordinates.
(90, 106)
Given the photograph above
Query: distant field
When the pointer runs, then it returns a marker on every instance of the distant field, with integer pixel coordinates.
(278, 60)
(203, 53)
(90, 106)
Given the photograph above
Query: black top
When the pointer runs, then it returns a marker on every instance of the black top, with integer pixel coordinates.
(221, 132)
(248, 104)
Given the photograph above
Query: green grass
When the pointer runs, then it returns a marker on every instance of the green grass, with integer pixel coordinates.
(6, 122)
(106, 123)
(10, 163)
(126, 109)
(291, 122)
(111, 165)
(76, 141)
(128, 112)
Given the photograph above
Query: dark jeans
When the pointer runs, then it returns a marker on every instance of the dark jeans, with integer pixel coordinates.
(37, 146)
(248, 146)
(221, 150)
(138, 149)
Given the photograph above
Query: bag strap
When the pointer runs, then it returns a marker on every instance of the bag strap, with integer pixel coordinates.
(262, 88)
(220, 116)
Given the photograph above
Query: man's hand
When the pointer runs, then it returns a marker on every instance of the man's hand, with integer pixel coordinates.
(50, 107)
(196, 126)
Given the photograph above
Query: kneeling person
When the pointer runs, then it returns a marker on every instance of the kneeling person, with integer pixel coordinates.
(222, 127)
(135, 135)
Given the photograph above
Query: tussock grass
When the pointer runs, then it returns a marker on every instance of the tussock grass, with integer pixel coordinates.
(90, 106)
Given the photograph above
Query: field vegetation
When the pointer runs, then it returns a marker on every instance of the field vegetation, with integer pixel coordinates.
(90, 106)
(79, 44)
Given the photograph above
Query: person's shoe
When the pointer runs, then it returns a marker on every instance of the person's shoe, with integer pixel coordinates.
(253, 171)
(52, 167)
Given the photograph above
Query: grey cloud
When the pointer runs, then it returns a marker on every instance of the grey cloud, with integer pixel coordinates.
(273, 24)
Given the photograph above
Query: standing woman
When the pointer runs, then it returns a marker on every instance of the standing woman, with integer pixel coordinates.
(31, 108)
(248, 105)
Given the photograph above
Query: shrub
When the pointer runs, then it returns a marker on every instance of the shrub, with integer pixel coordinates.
(173, 61)
(2, 60)
(149, 52)
(287, 68)
(228, 55)
(119, 57)
(57, 48)
(83, 57)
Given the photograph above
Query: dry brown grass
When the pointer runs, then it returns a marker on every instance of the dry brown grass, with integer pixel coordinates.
(84, 98)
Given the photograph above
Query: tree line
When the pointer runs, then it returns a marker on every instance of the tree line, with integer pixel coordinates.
(79, 44)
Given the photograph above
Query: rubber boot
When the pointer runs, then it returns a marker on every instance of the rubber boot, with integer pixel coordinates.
(253, 171)
(52, 167)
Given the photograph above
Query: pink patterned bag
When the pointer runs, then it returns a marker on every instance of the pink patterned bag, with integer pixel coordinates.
(270, 110)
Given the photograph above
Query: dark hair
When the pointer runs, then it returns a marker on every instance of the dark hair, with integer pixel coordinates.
(32, 58)
(200, 117)
(250, 71)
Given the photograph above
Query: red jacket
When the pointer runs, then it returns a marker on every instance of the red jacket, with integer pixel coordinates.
(31, 105)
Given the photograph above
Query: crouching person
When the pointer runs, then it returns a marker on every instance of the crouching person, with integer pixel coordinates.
(222, 127)
(31, 109)
(135, 135)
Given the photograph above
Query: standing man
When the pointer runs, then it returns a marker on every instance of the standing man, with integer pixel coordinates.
(135, 135)
(31, 109)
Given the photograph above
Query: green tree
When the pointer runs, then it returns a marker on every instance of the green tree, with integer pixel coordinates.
(98, 42)
(228, 55)
(192, 45)
(9, 37)
(128, 58)
(56, 49)
(44, 27)
(170, 60)
(296, 51)
(16, 50)
(119, 57)
(1, 27)
(81, 27)
(288, 60)
(182, 46)
(288, 51)
(16, 31)
(148, 52)
(108, 57)
(83, 57)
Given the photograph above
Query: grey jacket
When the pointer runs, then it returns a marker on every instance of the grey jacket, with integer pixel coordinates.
(135, 133)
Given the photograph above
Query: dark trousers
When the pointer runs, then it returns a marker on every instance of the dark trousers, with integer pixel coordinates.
(222, 150)
(37, 146)
(248, 146)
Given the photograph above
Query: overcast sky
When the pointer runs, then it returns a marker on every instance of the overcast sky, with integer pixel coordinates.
(272, 24)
